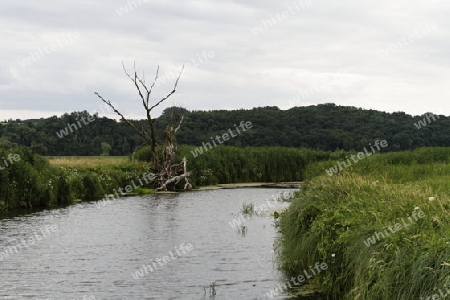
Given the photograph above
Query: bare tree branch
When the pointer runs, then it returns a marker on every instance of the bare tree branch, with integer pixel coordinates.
(126, 72)
(179, 124)
(131, 124)
(154, 82)
(171, 93)
(136, 81)
(170, 173)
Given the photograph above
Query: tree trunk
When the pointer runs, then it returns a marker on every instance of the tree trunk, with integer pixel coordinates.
(169, 174)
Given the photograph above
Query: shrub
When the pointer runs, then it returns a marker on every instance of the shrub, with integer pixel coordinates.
(64, 195)
(143, 154)
(92, 188)
(27, 182)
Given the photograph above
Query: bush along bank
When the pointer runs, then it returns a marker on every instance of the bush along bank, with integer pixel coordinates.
(227, 164)
(380, 239)
(31, 182)
(28, 182)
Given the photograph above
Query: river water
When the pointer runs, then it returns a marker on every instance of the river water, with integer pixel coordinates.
(185, 241)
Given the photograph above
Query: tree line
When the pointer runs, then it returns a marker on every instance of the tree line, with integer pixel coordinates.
(326, 127)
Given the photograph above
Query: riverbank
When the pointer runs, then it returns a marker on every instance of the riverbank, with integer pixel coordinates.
(35, 181)
(381, 227)
(279, 185)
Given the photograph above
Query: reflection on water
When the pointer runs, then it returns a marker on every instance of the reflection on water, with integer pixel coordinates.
(96, 251)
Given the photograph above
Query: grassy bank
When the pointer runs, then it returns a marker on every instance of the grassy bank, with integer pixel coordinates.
(35, 181)
(226, 164)
(90, 178)
(375, 226)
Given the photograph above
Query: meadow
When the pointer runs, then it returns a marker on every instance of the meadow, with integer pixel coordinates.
(358, 222)
(86, 161)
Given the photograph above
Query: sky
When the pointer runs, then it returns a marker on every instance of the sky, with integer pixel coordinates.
(383, 55)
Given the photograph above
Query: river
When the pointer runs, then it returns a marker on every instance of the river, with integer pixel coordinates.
(165, 246)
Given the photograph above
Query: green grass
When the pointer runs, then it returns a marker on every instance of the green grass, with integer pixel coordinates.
(36, 181)
(144, 191)
(105, 174)
(332, 216)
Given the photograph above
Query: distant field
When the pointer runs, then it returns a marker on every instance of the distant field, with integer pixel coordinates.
(86, 161)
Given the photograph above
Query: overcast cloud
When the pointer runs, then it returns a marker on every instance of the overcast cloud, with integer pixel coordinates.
(384, 55)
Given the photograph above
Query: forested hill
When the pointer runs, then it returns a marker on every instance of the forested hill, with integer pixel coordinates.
(325, 127)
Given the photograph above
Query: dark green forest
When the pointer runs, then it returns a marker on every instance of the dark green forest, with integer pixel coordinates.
(325, 127)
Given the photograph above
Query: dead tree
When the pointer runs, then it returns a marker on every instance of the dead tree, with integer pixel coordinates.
(171, 169)
(168, 173)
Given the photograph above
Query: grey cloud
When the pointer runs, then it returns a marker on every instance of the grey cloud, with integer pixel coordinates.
(248, 70)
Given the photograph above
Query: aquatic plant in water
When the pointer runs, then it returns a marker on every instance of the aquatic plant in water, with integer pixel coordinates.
(212, 289)
(248, 209)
